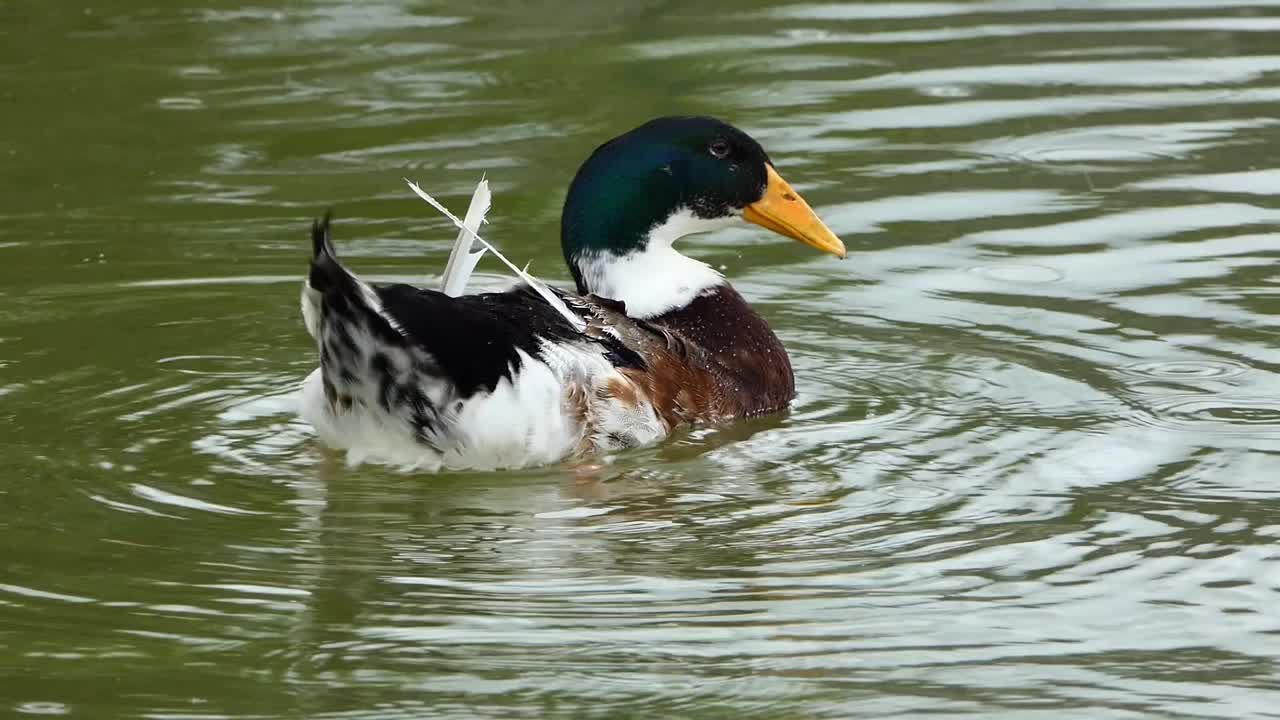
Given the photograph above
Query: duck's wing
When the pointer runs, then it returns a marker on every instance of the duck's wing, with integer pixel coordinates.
(478, 340)
(474, 339)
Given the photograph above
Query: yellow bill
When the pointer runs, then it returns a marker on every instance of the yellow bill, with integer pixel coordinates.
(783, 211)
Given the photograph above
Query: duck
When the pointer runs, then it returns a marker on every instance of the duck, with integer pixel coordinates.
(649, 340)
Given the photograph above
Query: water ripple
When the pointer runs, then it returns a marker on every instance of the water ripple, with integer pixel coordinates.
(1029, 471)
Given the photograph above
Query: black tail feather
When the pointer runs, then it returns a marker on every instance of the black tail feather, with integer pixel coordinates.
(321, 241)
(326, 271)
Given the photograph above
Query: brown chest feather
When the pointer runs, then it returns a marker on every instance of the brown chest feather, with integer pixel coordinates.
(713, 359)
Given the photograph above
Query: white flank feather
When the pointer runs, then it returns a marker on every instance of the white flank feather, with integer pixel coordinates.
(533, 282)
(462, 262)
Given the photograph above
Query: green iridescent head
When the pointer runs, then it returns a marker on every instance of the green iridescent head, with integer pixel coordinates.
(673, 176)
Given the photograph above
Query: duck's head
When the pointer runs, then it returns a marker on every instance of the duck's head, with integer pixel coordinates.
(668, 178)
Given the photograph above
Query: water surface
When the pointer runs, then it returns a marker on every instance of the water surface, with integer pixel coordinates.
(1032, 470)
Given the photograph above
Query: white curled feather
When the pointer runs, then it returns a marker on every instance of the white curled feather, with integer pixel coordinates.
(462, 262)
(538, 286)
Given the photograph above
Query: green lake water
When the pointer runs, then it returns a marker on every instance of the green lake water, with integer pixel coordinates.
(1033, 470)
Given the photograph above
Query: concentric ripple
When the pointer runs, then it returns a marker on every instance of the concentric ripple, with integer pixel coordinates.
(1201, 369)
(1221, 414)
(1021, 273)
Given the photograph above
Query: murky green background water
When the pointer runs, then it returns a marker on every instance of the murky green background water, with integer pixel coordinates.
(1033, 471)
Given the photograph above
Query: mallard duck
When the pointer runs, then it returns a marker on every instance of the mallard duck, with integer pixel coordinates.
(651, 341)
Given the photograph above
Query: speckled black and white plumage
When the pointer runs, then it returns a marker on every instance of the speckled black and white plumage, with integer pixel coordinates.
(416, 378)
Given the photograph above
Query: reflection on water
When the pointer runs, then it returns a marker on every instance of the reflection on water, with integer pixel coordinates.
(1031, 469)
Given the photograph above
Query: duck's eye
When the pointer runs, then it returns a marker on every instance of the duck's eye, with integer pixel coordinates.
(719, 148)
